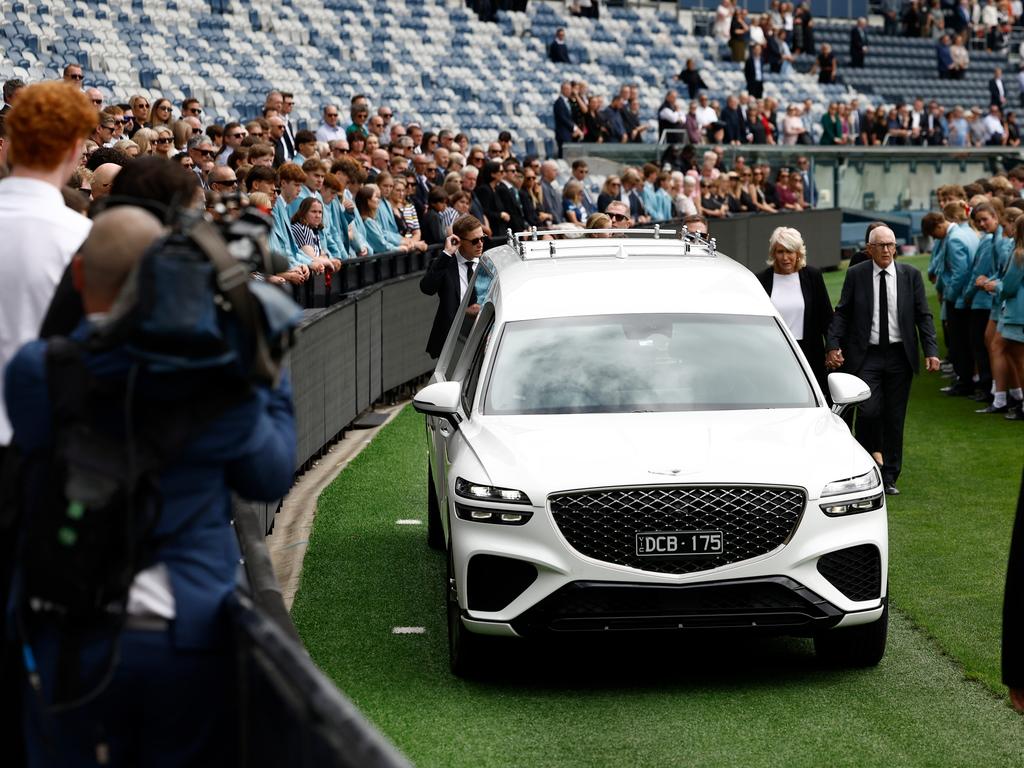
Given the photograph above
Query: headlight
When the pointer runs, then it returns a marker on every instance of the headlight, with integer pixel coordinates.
(853, 506)
(468, 490)
(865, 482)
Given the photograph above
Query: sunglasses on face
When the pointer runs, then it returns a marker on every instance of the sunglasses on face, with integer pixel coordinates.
(163, 141)
(163, 107)
(77, 77)
(618, 217)
(257, 135)
(476, 240)
(237, 136)
(195, 110)
(206, 152)
(97, 101)
(226, 183)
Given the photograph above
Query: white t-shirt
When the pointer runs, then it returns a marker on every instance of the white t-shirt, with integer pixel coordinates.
(40, 235)
(789, 300)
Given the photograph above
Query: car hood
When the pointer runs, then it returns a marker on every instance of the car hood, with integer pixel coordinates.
(806, 447)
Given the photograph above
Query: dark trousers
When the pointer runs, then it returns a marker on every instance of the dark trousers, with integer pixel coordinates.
(978, 322)
(888, 373)
(958, 340)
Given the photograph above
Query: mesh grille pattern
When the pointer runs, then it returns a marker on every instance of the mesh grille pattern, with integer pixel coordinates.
(856, 571)
(603, 524)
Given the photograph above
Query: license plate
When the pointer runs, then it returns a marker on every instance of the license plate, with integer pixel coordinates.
(679, 543)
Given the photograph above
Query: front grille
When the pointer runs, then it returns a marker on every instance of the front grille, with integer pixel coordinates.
(770, 603)
(603, 524)
(855, 571)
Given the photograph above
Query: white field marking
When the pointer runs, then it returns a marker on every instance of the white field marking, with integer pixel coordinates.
(408, 522)
(408, 630)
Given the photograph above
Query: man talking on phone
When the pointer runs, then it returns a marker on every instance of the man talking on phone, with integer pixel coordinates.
(450, 275)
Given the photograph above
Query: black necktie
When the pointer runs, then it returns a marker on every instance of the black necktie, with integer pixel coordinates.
(883, 311)
(469, 281)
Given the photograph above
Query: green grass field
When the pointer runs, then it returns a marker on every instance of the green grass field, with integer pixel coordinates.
(744, 702)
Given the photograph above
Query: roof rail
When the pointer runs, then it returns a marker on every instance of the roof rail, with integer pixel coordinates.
(567, 236)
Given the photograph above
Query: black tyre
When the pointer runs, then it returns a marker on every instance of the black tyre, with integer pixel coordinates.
(435, 533)
(854, 647)
(465, 648)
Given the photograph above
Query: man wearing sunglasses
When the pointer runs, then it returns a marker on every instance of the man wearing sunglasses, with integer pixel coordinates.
(448, 277)
(233, 135)
(192, 108)
(223, 180)
(73, 75)
(202, 152)
(618, 212)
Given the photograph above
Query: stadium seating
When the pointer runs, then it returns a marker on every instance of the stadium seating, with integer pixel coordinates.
(432, 61)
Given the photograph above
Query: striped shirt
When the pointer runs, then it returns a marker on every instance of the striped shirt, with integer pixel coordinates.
(305, 235)
(412, 221)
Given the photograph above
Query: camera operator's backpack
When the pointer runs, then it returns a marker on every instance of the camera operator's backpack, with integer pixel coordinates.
(88, 532)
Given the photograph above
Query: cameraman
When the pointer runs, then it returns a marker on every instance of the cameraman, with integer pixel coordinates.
(160, 690)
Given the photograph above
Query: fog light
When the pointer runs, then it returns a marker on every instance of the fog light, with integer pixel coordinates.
(480, 514)
(492, 516)
(853, 507)
(511, 517)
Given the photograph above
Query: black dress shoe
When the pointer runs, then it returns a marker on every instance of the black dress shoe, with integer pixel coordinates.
(959, 391)
(993, 409)
(1014, 414)
(891, 490)
(981, 397)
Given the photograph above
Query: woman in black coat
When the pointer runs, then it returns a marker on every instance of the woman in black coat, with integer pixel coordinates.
(799, 294)
(486, 192)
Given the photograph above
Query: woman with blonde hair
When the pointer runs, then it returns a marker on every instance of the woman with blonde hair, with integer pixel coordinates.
(145, 137)
(160, 114)
(163, 144)
(129, 147)
(182, 133)
(798, 292)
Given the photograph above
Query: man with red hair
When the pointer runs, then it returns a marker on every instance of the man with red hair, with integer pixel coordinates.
(46, 132)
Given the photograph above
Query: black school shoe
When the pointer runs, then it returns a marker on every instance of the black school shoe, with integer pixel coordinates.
(992, 409)
(1014, 412)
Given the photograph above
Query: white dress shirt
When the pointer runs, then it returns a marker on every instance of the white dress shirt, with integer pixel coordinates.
(789, 300)
(890, 290)
(40, 235)
(463, 278)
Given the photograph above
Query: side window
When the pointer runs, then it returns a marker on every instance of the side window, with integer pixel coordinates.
(469, 388)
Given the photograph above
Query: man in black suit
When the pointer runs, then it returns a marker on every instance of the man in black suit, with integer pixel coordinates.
(1013, 611)
(753, 70)
(421, 190)
(448, 278)
(859, 43)
(996, 90)
(558, 51)
(508, 194)
(735, 123)
(282, 154)
(874, 335)
(565, 128)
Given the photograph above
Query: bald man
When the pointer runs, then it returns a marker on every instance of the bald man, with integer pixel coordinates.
(118, 239)
(102, 178)
(874, 335)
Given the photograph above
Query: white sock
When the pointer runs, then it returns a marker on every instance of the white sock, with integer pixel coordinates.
(992, 391)
(999, 400)
(1017, 394)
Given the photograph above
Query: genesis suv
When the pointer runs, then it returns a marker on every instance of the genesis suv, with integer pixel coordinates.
(627, 437)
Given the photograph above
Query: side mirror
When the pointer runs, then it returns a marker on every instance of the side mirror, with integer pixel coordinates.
(846, 390)
(440, 399)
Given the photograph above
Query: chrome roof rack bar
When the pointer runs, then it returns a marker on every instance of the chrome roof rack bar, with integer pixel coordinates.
(568, 236)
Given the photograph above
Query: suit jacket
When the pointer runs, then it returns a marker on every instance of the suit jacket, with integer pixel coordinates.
(817, 317)
(433, 228)
(1013, 603)
(563, 121)
(636, 205)
(850, 330)
(552, 201)
(735, 125)
(858, 42)
(773, 54)
(281, 153)
(509, 197)
(491, 203)
(442, 280)
(420, 195)
(995, 98)
(754, 84)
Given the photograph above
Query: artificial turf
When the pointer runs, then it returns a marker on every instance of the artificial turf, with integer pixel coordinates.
(741, 702)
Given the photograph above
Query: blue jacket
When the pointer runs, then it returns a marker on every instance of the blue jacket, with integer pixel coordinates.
(281, 238)
(1010, 291)
(248, 449)
(378, 238)
(961, 245)
(992, 254)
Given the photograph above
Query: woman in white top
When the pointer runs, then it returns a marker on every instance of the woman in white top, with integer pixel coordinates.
(799, 294)
(723, 21)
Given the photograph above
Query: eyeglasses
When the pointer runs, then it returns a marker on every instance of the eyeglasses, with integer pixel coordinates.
(226, 183)
(529, 178)
(257, 135)
(618, 217)
(887, 246)
(330, 114)
(164, 106)
(615, 184)
(386, 115)
(206, 152)
(163, 141)
(195, 110)
(475, 240)
(97, 101)
(236, 136)
(127, 119)
(77, 77)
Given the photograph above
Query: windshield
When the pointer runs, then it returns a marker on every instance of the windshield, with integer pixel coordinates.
(626, 363)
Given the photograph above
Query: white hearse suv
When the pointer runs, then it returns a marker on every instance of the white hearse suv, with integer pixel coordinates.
(627, 437)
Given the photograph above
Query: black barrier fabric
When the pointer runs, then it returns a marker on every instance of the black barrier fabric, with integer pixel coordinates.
(289, 713)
